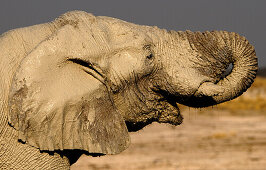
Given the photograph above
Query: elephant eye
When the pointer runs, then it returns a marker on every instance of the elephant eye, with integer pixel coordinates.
(148, 49)
(150, 56)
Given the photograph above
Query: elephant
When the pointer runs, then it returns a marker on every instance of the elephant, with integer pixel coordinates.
(81, 83)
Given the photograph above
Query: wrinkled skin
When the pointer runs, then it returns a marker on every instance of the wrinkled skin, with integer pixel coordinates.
(80, 83)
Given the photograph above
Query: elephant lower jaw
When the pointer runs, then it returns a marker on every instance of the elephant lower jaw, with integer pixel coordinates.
(171, 116)
(164, 113)
(166, 118)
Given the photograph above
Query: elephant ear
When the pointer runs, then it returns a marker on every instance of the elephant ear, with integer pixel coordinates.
(58, 104)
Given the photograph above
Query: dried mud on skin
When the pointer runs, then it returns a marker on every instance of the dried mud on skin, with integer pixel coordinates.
(207, 140)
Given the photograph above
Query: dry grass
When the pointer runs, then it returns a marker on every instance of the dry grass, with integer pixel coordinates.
(222, 135)
(257, 104)
(260, 82)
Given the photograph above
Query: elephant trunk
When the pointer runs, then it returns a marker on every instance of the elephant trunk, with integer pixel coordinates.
(245, 66)
(216, 51)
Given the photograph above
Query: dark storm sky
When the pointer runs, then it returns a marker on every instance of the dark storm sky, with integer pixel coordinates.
(246, 17)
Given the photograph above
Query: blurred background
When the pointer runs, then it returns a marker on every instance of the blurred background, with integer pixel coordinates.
(228, 136)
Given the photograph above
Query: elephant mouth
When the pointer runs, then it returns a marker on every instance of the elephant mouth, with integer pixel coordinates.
(203, 96)
(165, 111)
(199, 102)
(207, 92)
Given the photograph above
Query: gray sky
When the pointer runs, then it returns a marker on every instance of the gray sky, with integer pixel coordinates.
(246, 17)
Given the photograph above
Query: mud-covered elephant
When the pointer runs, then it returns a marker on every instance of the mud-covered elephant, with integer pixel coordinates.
(79, 83)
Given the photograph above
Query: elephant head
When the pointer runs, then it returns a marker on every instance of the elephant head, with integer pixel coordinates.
(86, 81)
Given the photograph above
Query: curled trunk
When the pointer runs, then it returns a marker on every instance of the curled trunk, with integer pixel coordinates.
(217, 51)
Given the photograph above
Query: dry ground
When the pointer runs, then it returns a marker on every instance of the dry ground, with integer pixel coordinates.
(229, 137)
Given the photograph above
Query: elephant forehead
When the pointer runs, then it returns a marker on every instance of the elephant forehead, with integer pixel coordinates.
(125, 37)
(127, 60)
(124, 34)
(103, 34)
